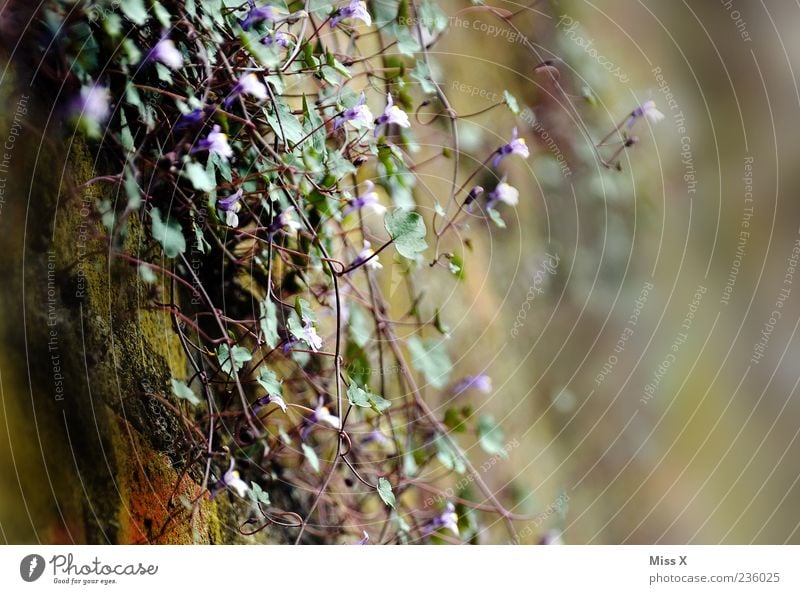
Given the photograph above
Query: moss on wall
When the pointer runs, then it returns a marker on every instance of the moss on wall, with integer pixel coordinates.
(92, 367)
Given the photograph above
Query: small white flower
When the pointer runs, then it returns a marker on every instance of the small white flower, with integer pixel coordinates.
(94, 103)
(505, 193)
(232, 481)
(369, 199)
(365, 255)
(231, 206)
(516, 146)
(311, 337)
(357, 9)
(359, 115)
(290, 222)
(166, 53)
(216, 142)
(647, 110)
(392, 115)
(247, 85)
(250, 85)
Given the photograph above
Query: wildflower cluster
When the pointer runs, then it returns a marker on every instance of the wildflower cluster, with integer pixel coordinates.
(243, 136)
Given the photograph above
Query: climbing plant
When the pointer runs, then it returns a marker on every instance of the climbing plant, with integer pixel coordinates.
(267, 152)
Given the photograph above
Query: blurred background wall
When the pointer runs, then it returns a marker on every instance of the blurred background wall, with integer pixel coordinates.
(653, 383)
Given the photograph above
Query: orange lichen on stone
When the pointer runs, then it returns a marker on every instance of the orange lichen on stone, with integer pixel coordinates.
(154, 496)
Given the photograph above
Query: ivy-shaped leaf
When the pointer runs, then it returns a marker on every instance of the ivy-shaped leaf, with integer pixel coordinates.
(430, 358)
(184, 392)
(269, 381)
(169, 234)
(269, 322)
(232, 360)
(491, 437)
(135, 10)
(358, 325)
(199, 177)
(385, 492)
(257, 494)
(364, 399)
(422, 74)
(407, 230)
(447, 456)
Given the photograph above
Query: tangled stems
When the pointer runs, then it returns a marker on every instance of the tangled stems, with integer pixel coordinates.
(238, 148)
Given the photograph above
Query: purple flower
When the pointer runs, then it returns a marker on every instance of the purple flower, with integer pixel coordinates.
(376, 436)
(503, 192)
(269, 399)
(359, 115)
(517, 146)
(192, 119)
(392, 115)
(166, 53)
(365, 539)
(247, 85)
(473, 194)
(259, 14)
(367, 199)
(215, 142)
(480, 382)
(645, 110)
(231, 206)
(231, 480)
(278, 38)
(357, 9)
(91, 109)
(367, 255)
(320, 415)
(448, 520)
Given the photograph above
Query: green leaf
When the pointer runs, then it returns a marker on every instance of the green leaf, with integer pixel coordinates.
(338, 166)
(184, 392)
(199, 176)
(266, 55)
(422, 74)
(364, 399)
(162, 14)
(496, 218)
(311, 456)
(132, 190)
(491, 437)
(257, 494)
(169, 234)
(232, 360)
(430, 358)
(313, 121)
(135, 10)
(269, 322)
(359, 326)
(284, 123)
(407, 230)
(164, 74)
(125, 136)
(304, 310)
(447, 456)
(511, 101)
(385, 492)
(269, 381)
(407, 42)
(432, 17)
(147, 275)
